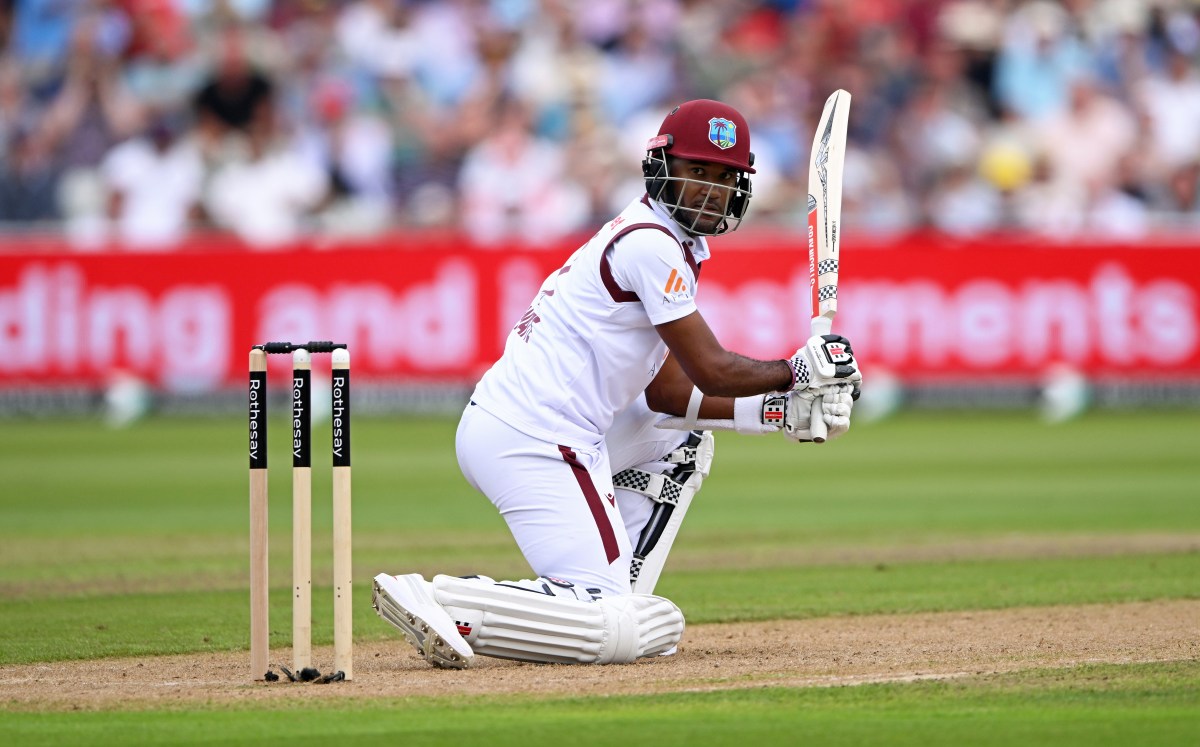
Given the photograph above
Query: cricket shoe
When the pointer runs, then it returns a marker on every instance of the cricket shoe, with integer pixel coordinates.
(407, 603)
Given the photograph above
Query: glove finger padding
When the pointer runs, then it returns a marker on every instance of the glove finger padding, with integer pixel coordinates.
(836, 403)
(796, 422)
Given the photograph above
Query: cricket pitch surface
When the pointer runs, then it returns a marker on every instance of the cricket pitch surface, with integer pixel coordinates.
(821, 652)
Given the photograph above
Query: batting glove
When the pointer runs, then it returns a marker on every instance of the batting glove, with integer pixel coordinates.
(835, 402)
(824, 360)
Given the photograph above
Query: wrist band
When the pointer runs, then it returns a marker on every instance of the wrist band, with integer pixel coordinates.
(693, 408)
(799, 369)
(795, 377)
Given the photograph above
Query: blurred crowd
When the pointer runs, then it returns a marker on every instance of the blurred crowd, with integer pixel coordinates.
(142, 120)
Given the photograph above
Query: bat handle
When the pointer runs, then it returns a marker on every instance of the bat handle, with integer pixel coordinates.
(816, 422)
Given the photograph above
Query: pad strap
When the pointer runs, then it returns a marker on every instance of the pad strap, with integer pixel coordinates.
(673, 492)
(694, 458)
(658, 488)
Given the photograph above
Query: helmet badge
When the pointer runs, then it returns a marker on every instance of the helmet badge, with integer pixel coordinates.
(722, 132)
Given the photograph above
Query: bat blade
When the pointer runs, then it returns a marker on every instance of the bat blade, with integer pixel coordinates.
(824, 222)
(825, 208)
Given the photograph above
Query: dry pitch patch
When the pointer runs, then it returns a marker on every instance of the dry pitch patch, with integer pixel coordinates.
(791, 653)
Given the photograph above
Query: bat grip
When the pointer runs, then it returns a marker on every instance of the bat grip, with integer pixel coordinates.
(816, 422)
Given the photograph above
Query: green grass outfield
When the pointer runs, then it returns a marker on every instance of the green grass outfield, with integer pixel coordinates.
(133, 542)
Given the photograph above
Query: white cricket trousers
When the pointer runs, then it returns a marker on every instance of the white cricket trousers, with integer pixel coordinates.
(558, 501)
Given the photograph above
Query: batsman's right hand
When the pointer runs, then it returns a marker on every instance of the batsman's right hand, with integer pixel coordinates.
(833, 402)
(824, 360)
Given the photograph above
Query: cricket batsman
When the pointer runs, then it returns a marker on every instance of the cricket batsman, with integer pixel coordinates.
(614, 332)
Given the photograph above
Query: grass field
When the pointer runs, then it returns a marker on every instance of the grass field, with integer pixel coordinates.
(133, 543)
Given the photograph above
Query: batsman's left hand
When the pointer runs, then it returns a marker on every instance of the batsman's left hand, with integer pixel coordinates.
(835, 402)
(824, 360)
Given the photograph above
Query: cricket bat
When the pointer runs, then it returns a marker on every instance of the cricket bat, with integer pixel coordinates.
(824, 223)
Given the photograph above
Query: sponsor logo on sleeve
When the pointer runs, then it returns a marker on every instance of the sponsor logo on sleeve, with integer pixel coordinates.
(675, 290)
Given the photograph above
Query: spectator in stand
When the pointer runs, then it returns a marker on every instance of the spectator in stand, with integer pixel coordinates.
(1117, 207)
(375, 36)
(874, 198)
(432, 72)
(551, 71)
(353, 147)
(934, 137)
(18, 111)
(1085, 144)
(89, 113)
(1182, 199)
(446, 62)
(974, 30)
(156, 27)
(39, 38)
(1043, 206)
(513, 184)
(269, 194)
(154, 185)
(635, 74)
(93, 109)
(27, 176)
(236, 99)
(961, 203)
(1037, 59)
(161, 67)
(1171, 100)
(28, 179)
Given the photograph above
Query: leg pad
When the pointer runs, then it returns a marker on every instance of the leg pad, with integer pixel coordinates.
(551, 621)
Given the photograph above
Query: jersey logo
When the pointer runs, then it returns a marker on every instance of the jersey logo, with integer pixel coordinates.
(525, 326)
(674, 283)
(722, 133)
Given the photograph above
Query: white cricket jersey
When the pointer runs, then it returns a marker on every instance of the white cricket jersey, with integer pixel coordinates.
(586, 347)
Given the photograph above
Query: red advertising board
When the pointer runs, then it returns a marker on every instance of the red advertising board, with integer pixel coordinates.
(186, 319)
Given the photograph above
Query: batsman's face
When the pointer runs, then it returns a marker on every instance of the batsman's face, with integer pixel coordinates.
(704, 190)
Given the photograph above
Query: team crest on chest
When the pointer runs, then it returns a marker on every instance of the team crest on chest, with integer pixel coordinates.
(722, 132)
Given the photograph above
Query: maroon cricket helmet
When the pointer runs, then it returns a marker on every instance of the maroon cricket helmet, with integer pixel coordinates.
(706, 130)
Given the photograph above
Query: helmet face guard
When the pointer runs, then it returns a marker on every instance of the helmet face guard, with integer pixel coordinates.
(668, 191)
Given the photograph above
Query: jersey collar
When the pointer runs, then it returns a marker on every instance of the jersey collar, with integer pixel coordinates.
(697, 245)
